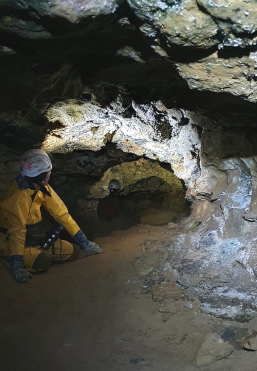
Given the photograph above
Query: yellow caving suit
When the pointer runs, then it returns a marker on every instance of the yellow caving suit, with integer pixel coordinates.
(18, 209)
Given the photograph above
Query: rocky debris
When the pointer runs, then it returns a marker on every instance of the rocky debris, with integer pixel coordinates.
(166, 291)
(212, 349)
(139, 361)
(144, 266)
(170, 307)
(188, 280)
(232, 334)
(168, 273)
(225, 282)
(130, 52)
(250, 342)
(178, 338)
(5, 50)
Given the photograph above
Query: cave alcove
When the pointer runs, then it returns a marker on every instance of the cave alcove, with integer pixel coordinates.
(150, 192)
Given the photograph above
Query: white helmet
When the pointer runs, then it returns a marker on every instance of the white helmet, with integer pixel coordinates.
(114, 184)
(35, 162)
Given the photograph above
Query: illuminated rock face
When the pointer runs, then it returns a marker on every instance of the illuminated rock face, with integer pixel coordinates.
(87, 126)
(14, 21)
(171, 81)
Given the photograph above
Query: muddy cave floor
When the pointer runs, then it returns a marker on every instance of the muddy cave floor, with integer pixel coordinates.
(98, 314)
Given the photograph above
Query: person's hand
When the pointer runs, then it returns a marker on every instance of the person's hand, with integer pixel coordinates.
(88, 246)
(18, 272)
(92, 248)
(21, 275)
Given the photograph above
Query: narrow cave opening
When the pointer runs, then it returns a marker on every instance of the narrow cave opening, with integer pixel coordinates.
(150, 201)
(149, 192)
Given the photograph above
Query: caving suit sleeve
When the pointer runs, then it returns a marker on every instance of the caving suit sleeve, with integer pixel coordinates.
(15, 210)
(59, 212)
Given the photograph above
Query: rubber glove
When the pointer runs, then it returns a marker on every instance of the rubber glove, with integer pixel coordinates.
(88, 246)
(18, 272)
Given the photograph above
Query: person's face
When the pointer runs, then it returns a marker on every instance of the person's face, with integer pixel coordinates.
(45, 182)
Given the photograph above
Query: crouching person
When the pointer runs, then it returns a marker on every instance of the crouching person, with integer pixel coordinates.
(22, 232)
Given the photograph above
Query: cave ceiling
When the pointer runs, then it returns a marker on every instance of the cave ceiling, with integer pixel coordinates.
(196, 55)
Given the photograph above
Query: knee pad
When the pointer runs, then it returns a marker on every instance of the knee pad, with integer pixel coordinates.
(75, 254)
(64, 251)
(42, 262)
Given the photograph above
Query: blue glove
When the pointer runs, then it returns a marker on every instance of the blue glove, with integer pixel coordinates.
(18, 272)
(88, 246)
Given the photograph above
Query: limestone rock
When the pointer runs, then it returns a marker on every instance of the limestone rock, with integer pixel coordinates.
(185, 25)
(234, 75)
(73, 11)
(167, 291)
(241, 14)
(232, 334)
(181, 22)
(212, 349)
(250, 342)
(130, 52)
(171, 306)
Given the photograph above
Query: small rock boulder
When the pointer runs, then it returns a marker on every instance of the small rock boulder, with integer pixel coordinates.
(212, 349)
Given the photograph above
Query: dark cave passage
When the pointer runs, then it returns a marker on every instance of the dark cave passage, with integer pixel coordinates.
(149, 191)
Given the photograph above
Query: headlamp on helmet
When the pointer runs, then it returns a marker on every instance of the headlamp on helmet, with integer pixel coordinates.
(114, 184)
